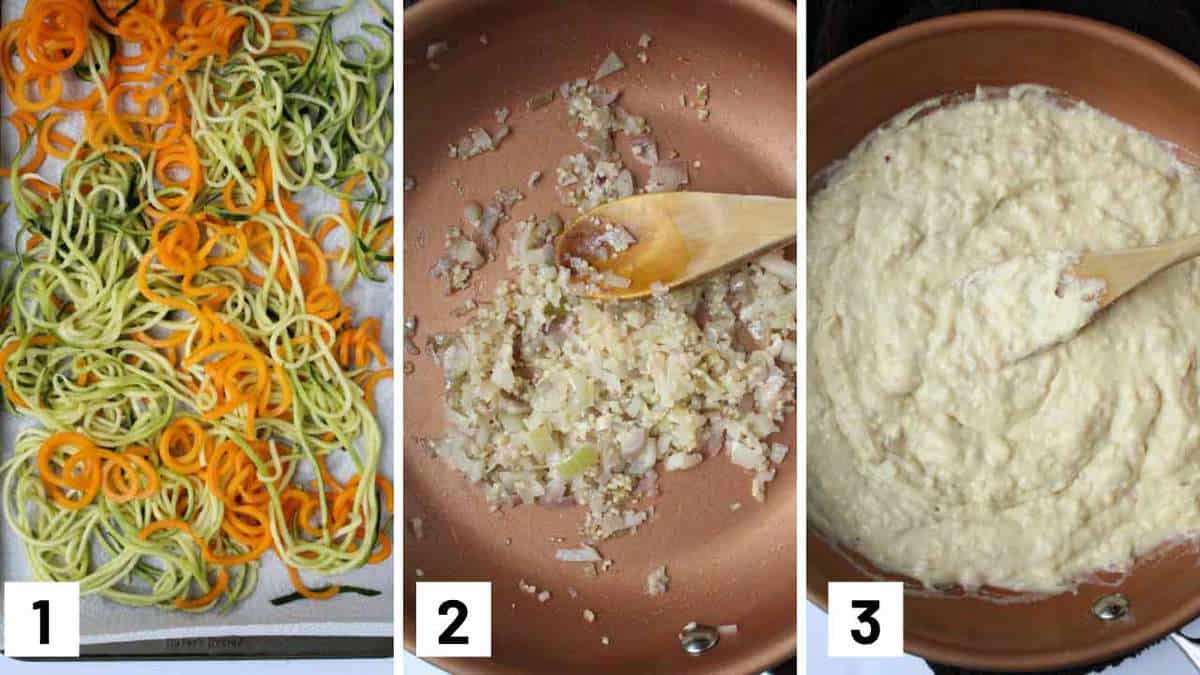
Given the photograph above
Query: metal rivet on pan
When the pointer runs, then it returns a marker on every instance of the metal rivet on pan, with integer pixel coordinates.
(1111, 607)
(698, 638)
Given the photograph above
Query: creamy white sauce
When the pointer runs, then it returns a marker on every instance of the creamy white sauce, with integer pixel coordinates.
(961, 427)
(1005, 312)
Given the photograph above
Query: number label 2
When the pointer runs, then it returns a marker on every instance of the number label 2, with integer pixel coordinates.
(454, 618)
(447, 637)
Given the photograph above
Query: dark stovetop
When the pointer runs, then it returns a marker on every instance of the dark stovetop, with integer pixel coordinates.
(837, 26)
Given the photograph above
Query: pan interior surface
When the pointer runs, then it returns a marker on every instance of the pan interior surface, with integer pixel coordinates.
(725, 566)
(1141, 84)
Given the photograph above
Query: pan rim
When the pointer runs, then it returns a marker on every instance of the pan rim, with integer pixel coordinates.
(419, 19)
(1120, 39)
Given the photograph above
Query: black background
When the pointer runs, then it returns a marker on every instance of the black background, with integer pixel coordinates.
(837, 26)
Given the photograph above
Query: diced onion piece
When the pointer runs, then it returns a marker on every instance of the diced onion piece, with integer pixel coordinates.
(667, 176)
(746, 457)
(612, 63)
(657, 581)
(613, 280)
(540, 441)
(776, 264)
(581, 554)
(682, 461)
(581, 460)
(644, 149)
(602, 97)
(540, 100)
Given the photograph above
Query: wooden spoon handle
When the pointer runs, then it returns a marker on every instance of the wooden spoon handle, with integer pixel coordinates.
(1122, 271)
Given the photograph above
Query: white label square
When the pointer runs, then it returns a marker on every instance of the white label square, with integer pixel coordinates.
(454, 618)
(866, 618)
(41, 619)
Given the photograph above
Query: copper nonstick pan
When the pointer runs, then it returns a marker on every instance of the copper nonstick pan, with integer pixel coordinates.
(725, 567)
(1136, 81)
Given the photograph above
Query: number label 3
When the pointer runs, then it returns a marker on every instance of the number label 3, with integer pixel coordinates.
(454, 619)
(866, 619)
(42, 619)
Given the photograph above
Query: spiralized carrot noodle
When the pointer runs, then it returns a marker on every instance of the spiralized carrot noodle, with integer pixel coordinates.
(172, 323)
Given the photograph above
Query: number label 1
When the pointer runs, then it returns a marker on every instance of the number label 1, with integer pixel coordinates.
(866, 618)
(454, 618)
(41, 619)
(43, 609)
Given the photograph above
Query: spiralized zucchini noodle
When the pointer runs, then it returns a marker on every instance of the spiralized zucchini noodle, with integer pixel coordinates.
(171, 318)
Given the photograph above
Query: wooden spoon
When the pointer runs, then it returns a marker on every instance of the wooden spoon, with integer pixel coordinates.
(1123, 270)
(681, 237)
